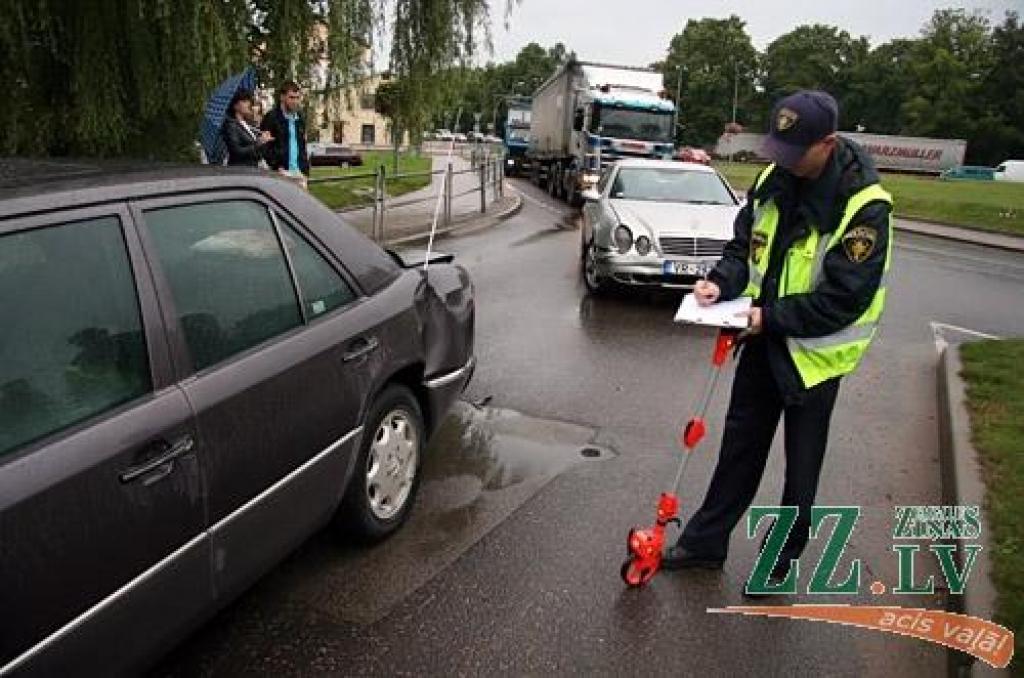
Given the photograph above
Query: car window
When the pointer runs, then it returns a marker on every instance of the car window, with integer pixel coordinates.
(72, 344)
(603, 181)
(321, 287)
(1001, 168)
(670, 185)
(228, 275)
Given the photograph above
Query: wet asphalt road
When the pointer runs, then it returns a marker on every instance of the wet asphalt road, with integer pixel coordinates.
(510, 562)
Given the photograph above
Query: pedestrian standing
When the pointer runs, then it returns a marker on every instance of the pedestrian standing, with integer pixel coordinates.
(247, 146)
(811, 246)
(288, 129)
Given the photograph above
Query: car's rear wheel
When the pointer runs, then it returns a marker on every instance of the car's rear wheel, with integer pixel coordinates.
(383, 485)
(595, 283)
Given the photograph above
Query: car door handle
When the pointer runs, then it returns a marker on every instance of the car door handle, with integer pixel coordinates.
(180, 448)
(359, 348)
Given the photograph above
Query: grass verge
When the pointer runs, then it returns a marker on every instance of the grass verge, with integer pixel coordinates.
(994, 373)
(987, 205)
(359, 189)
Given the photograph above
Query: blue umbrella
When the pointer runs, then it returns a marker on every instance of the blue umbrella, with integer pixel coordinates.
(216, 109)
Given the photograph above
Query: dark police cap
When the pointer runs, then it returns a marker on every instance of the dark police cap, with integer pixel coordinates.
(799, 121)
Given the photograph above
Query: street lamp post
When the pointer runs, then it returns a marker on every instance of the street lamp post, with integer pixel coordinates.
(679, 94)
(735, 87)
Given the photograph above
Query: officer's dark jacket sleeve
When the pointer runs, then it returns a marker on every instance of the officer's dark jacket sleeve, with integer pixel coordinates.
(846, 288)
(731, 272)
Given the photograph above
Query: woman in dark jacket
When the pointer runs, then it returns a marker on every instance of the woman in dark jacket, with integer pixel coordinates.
(246, 145)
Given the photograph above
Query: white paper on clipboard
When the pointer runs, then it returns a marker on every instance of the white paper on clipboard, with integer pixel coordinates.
(722, 314)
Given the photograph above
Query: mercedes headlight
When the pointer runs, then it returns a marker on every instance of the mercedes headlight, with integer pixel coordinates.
(623, 239)
(643, 246)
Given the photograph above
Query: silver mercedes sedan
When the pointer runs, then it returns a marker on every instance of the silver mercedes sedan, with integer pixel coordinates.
(655, 223)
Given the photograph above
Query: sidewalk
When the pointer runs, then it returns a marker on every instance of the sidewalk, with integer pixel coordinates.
(411, 214)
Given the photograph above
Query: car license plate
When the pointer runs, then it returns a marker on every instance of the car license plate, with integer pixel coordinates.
(686, 268)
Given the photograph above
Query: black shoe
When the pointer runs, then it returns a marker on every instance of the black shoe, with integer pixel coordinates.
(678, 558)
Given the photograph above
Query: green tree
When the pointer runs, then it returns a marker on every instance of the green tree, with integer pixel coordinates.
(948, 64)
(877, 88)
(111, 77)
(1003, 92)
(713, 58)
(482, 90)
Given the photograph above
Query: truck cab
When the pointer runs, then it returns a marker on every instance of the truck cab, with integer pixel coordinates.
(516, 134)
(587, 115)
(623, 122)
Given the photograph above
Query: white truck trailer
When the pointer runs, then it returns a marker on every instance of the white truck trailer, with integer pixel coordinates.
(890, 152)
(587, 115)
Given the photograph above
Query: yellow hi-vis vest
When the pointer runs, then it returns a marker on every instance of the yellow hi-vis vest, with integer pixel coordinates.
(817, 359)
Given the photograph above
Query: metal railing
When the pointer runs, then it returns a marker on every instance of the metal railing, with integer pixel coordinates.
(489, 173)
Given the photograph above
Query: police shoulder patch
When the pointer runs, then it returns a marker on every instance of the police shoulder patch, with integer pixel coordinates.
(859, 243)
(758, 242)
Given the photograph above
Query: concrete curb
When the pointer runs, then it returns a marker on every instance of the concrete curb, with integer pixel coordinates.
(466, 227)
(1002, 241)
(962, 485)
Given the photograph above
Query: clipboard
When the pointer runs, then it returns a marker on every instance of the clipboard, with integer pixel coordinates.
(722, 314)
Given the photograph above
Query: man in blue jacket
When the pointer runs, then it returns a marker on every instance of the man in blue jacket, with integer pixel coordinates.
(288, 129)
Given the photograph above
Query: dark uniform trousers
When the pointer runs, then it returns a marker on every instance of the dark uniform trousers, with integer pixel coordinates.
(754, 411)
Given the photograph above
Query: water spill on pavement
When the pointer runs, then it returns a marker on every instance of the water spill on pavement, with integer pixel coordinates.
(482, 464)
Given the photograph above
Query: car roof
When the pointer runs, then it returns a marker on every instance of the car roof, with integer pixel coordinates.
(664, 164)
(35, 184)
(30, 187)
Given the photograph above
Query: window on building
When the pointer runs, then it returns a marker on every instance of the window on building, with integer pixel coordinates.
(368, 135)
(367, 101)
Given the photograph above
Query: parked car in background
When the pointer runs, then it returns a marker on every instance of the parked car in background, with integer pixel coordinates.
(460, 137)
(199, 368)
(657, 223)
(444, 135)
(690, 154)
(333, 155)
(1010, 170)
(970, 172)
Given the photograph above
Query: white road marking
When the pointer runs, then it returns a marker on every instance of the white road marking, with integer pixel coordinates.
(940, 329)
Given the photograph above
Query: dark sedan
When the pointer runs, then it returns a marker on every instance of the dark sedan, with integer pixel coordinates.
(333, 155)
(198, 369)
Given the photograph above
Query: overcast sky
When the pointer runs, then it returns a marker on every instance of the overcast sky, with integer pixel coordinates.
(637, 32)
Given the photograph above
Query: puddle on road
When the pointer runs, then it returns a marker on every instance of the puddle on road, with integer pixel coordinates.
(482, 465)
(499, 448)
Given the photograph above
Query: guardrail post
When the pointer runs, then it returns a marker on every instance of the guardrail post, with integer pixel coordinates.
(382, 182)
(448, 196)
(483, 188)
(376, 206)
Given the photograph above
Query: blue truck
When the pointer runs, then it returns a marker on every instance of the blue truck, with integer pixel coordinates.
(516, 134)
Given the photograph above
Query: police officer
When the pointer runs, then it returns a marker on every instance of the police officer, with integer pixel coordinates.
(812, 247)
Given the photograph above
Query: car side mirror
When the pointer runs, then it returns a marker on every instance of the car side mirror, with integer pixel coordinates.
(590, 195)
